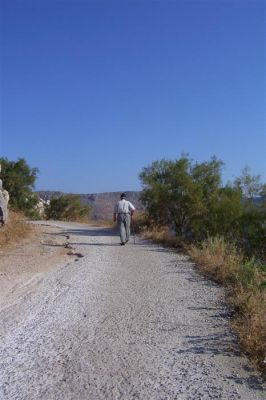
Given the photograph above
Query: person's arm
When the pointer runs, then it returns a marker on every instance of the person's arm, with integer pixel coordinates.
(131, 209)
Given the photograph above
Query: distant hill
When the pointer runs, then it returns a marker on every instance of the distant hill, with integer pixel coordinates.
(102, 204)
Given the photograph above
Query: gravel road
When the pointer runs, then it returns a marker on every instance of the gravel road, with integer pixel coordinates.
(131, 322)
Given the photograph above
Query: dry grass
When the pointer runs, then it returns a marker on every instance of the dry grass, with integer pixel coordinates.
(158, 234)
(139, 221)
(16, 229)
(218, 259)
(161, 235)
(246, 281)
(250, 322)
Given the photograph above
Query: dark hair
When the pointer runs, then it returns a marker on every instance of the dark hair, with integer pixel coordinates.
(123, 195)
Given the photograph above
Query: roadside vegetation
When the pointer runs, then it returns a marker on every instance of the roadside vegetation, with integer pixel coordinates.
(16, 229)
(19, 180)
(221, 227)
(245, 279)
(67, 208)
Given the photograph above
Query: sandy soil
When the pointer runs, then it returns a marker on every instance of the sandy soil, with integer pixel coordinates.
(25, 262)
(119, 323)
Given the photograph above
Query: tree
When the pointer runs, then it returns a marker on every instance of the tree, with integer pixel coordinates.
(250, 185)
(190, 198)
(19, 180)
(252, 223)
(67, 208)
(180, 193)
(225, 212)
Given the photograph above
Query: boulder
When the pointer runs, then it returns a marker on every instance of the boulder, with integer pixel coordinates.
(4, 197)
(41, 207)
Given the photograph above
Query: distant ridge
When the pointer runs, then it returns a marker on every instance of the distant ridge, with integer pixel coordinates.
(102, 204)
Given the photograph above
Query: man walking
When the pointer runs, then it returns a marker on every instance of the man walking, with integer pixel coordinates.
(123, 212)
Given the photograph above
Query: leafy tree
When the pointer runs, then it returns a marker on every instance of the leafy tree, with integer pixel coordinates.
(67, 208)
(263, 190)
(250, 185)
(252, 228)
(180, 193)
(19, 180)
(252, 224)
(190, 198)
(224, 214)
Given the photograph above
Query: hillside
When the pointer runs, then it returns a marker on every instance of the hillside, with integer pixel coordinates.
(102, 204)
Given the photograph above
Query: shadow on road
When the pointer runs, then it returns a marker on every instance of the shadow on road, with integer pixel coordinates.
(95, 244)
(87, 232)
(221, 344)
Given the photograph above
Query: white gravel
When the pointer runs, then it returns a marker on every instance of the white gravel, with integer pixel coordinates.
(131, 322)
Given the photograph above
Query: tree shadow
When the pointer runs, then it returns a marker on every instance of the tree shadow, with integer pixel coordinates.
(221, 312)
(252, 381)
(95, 244)
(214, 344)
(221, 344)
(86, 232)
(158, 248)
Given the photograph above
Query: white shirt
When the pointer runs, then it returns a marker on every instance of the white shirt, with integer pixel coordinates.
(123, 207)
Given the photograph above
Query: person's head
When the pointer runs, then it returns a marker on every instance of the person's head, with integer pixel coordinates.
(123, 196)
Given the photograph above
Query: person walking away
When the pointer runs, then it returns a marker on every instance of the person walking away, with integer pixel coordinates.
(123, 212)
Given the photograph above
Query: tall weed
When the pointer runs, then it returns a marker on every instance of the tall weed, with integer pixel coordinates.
(16, 229)
(218, 258)
(246, 281)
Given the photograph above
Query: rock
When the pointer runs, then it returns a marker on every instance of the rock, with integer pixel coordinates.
(41, 206)
(68, 245)
(72, 253)
(4, 199)
(79, 255)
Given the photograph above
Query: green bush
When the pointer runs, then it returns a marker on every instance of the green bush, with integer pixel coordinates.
(67, 208)
(19, 180)
(189, 198)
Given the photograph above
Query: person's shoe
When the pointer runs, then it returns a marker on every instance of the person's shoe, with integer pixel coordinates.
(122, 244)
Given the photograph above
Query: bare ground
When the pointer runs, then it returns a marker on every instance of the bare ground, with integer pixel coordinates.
(24, 262)
(131, 322)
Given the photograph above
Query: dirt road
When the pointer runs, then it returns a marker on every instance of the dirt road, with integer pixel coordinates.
(131, 322)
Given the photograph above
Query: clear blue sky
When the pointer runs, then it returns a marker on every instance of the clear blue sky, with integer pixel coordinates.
(93, 91)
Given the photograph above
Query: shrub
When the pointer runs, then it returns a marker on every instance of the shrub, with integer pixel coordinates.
(16, 229)
(67, 208)
(190, 199)
(19, 180)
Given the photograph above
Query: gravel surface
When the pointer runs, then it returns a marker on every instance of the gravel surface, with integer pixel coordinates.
(131, 322)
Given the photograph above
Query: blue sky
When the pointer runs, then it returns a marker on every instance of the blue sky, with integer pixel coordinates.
(93, 91)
